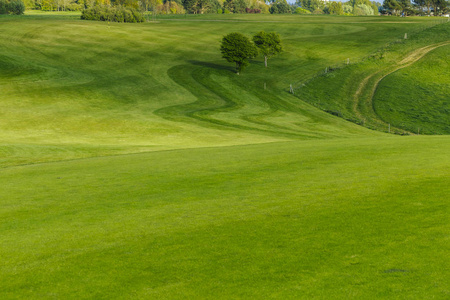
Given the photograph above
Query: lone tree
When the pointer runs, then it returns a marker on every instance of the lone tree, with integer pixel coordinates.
(238, 48)
(269, 44)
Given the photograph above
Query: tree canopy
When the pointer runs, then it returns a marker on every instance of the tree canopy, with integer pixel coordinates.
(13, 7)
(269, 44)
(238, 48)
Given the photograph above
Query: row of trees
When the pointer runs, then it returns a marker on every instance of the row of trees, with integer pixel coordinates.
(351, 7)
(237, 48)
(418, 7)
(12, 7)
(157, 6)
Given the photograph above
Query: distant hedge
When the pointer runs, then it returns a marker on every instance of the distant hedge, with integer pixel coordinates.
(113, 14)
(13, 7)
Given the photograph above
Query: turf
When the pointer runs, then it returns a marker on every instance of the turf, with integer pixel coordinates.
(416, 98)
(354, 91)
(358, 218)
(76, 84)
(135, 164)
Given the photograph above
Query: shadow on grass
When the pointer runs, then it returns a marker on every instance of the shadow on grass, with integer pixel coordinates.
(212, 65)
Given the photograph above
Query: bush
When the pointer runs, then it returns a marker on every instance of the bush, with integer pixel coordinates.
(114, 14)
(363, 10)
(252, 10)
(280, 7)
(302, 11)
(14, 7)
(318, 11)
(3, 5)
(348, 9)
(74, 7)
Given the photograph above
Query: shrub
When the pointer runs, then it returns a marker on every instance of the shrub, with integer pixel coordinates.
(14, 7)
(302, 11)
(3, 5)
(114, 14)
(348, 9)
(318, 11)
(74, 7)
(363, 10)
(252, 10)
(280, 7)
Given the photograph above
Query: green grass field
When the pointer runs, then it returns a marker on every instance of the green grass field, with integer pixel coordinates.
(135, 164)
(422, 95)
(372, 93)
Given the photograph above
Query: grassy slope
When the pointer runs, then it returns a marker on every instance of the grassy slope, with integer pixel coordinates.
(354, 218)
(418, 96)
(327, 209)
(85, 88)
(335, 91)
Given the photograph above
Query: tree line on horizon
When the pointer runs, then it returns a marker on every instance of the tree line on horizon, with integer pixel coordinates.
(351, 7)
(416, 7)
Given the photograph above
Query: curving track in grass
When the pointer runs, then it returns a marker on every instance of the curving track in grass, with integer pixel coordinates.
(370, 83)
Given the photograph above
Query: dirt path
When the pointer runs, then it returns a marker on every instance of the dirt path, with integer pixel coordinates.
(406, 62)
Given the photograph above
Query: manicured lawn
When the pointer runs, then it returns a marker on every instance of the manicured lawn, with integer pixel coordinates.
(417, 98)
(401, 84)
(69, 84)
(135, 164)
(354, 218)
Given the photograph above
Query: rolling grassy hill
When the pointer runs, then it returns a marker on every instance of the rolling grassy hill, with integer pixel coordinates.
(135, 164)
(421, 94)
(83, 88)
(371, 93)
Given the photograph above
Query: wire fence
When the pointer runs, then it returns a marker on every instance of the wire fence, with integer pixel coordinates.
(376, 54)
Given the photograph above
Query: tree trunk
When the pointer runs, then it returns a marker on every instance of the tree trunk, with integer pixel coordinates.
(265, 61)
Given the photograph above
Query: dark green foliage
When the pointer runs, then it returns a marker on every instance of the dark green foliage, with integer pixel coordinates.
(335, 8)
(311, 5)
(280, 7)
(393, 6)
(269, 44)
(201, 6)
(238, 48)
(235, 6)
(190, 6)
(3, 5)
(112, 14)
(438, 6)
(14, 7)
